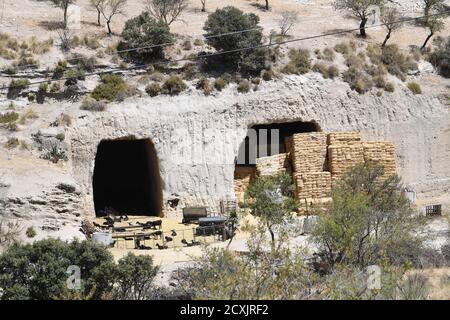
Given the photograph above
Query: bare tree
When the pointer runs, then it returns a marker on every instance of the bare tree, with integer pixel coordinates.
(64, 5)
(391, 20)
(203, 5)
(111, 8)
(97, 4)
(360, 9)
(287, 21)
(166, 11)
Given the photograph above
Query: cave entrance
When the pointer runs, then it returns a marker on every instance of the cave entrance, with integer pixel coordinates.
(261, 141)
(269, 139)
(127, 179)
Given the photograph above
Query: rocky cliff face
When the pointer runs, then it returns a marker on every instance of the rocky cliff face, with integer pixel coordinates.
(197, 138)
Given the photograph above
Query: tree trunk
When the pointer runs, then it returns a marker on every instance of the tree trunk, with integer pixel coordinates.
(272, 235)
(108, 22)
(427, 39)
(65, 17)
(204, 6)
(98, 17)
(388, 36)
(362, 28)
(267, 4)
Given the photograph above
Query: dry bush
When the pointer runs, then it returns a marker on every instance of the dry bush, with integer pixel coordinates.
(91, 104)
(220, 84)
(153, 89)
(12, 143)
(9, 233)
(204, 85)
(299, 62)
(243, 86)
(174, 85)
(29, 114)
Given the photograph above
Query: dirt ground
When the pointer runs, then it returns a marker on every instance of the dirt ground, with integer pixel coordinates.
(38, 18)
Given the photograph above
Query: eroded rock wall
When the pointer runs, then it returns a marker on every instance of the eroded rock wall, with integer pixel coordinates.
(197, 138)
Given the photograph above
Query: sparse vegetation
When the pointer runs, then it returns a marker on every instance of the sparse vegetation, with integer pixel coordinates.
(17, 86)
(110, 88)
(90, 104)
(300, 62)
(12, 143)
(440, 57)
(9, 117)
(415, 87)
(153, 89)
(174, 85)
(30, 232)
(204, 85)
(55, 153)
(243, 86)
(220, 84)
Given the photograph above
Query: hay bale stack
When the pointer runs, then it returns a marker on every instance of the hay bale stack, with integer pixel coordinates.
(273, 165)
(309, 152)
(343, 157)
(380, 153)
(313, 185)
(343, 138)
(312, 205)
(243, 176)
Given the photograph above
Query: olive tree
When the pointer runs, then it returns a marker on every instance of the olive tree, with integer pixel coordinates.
(391, 20)
(64, 5)
(432, 20)
(230, 21)
(97, 5)
(166, 11)
(146, 33)
(270, 198)
(369, 220)
(360, 9)
(111, 8)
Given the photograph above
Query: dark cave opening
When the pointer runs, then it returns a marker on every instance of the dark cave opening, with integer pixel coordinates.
(127, 178)
(269, 140)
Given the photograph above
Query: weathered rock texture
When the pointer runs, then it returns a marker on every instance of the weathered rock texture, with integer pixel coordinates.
(197, 138)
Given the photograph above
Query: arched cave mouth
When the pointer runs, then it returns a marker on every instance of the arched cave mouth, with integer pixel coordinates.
(127, 178)
(270, 140)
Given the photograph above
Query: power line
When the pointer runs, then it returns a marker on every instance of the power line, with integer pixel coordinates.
(229, 51)
(206, 37)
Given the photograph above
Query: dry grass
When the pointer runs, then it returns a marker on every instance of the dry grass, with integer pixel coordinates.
(439, 281)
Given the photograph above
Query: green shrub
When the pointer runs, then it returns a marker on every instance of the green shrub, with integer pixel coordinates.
(110, 89)
(415, 87)
(90, 104)
(56, 87)
(219, 84)
(396, 62)
(43, 87)
(30, 233)
(174, 85)
(60, 137)
(153, 89)
(60, 69)
(141, 31)
(299, 62)
(440, 57)
(55, 153)
(243, 86)
(9, 117)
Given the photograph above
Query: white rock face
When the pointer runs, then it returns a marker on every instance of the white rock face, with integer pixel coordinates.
(197, 138)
